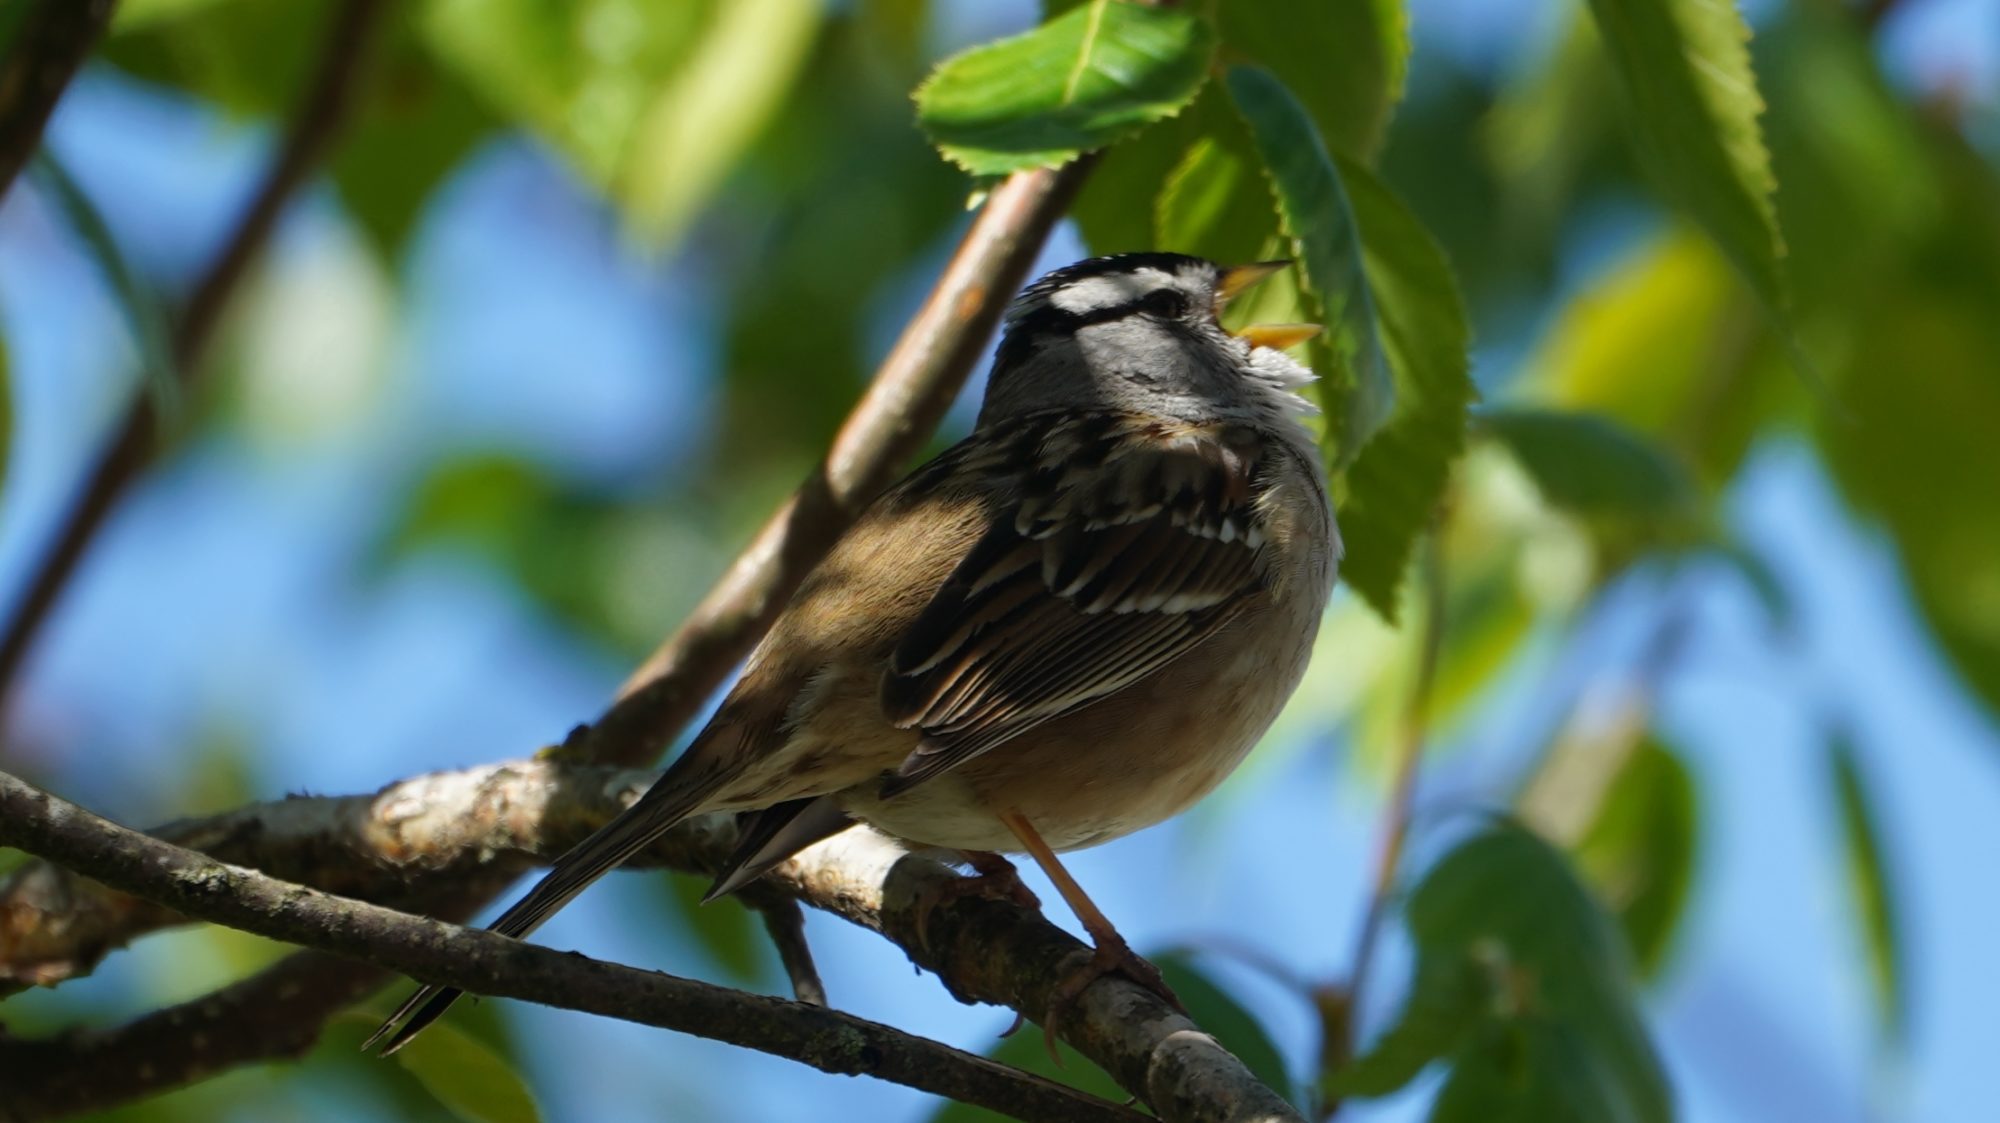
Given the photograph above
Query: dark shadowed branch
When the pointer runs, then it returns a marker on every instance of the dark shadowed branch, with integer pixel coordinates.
(54, 38)
(321, 111)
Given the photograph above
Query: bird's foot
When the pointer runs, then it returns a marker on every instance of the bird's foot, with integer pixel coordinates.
(1111, 955)
(994, 878)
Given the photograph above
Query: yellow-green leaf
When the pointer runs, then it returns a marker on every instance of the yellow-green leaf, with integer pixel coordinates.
(1640, 850)
(1086, 78)
(472, 1081)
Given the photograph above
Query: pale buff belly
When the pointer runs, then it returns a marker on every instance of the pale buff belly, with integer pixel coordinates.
(1124, 763)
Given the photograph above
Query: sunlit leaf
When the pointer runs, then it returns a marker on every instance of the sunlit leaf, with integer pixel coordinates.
(1084, 79)
(1588, 464)
(1873, 895)
(1356, 388)
(1685, 68)
(1395, 485)
(1115, 211)
(132, 14)
(1524, 988)
(1219, 1014)
(1215, 202)
(1640, 850)
(1344, 61)
(473, 1082)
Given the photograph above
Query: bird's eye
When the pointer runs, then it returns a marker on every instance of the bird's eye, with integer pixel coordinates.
(1169, 303)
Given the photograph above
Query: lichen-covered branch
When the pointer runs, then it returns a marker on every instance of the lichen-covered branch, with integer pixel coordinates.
(450, 826)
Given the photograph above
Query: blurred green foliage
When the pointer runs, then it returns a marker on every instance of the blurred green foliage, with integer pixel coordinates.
(1816, 260)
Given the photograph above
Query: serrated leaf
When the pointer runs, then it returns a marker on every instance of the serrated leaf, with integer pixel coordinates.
(1504, 910)
(1685, 68)
(1345, 61)
(1395, 485)
(1110, 211)
(1221, 1016)
(472, 1081)
(1640, 850)
(1872, 895)
(1357, 392)
(1590, 465)
(1082, 80)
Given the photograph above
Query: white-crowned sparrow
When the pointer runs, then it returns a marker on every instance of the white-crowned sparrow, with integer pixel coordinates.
(1071, 625)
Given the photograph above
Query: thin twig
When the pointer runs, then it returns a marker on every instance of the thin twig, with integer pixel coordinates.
(912, 389)
(321, 112)
(485, 963)
(786, 922)
(1395, 830)
(51, 45)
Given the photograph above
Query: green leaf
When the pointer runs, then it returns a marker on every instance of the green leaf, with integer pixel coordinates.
(1344, 61)
(727, 930)
(468, 1077)
(1685, 68)
(1219, 1014)
(1873, 897)
(1214, 202)
(1640, 850)
(144, 317)
(1590, 465)
(135, 14)
(1395, 485)
(1081, 81)
(1023, 1049)
(654, 103)
(1314, 213)
(1108, 212)
(1551, 1028)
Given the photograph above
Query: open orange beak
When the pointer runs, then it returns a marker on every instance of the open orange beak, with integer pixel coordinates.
(1234, 281)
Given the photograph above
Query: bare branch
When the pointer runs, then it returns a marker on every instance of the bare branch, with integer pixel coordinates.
(444, 826)
(321, 112)
(53, 41)
(786, 923)
(478, 961)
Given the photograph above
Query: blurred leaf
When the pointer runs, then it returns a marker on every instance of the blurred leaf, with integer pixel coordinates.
(1552, 119)
(1357, 391)
(132, 14)
(1522, 984)
(1108, 212)
(1640, 850)
(727, 930)
(1590, 465)
(1081, 81)
(1667, 344)
(472, 1081)
(1918, 377)
(144, 317)
(413, 123)
(1874, 898)
(1023, 1049)
(1221, 1016)
(1685, 68)
(1763, 582)
(653, 102)
(1344, 61)
(1396, 484)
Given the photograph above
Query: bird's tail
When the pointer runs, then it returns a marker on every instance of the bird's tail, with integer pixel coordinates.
(672, 798)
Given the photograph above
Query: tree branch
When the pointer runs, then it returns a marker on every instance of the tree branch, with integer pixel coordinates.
(54, 40)
(446, 826)
(485, 963)
(321, 111)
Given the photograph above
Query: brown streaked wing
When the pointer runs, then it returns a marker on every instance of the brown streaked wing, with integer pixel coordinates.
(1111, 566)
